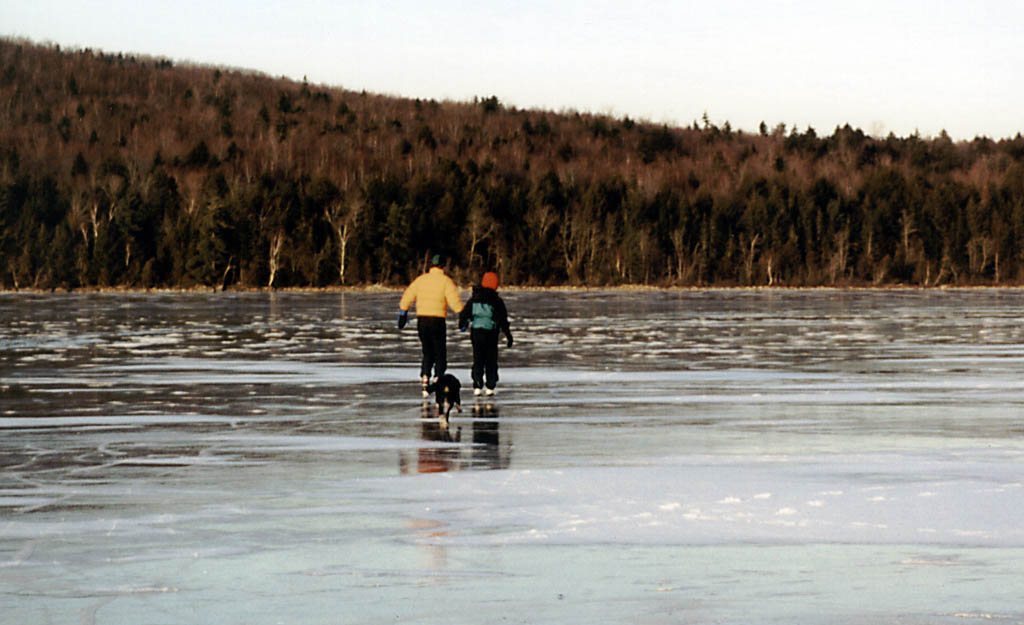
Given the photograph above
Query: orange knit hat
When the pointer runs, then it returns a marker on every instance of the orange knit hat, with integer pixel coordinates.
(490, 280)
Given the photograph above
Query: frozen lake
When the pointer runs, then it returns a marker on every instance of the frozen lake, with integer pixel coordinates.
(747, 457)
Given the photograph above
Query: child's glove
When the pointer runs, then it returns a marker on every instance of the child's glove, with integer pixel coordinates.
(463, 325)
(508, 341)
(403, 318)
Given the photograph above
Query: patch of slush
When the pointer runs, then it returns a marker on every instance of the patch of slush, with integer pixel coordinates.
(868, 499)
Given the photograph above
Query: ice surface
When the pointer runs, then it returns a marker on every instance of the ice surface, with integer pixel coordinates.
(652, 457)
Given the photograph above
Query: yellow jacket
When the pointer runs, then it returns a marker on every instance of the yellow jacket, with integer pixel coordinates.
(433, 293)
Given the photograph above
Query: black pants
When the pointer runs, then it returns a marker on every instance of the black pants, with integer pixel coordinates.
(433, 339)
(485, 357)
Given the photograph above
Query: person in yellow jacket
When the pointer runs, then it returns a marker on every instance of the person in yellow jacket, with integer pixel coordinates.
(434, 292)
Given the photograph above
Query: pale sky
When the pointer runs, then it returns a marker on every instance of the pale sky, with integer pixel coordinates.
(879, 65)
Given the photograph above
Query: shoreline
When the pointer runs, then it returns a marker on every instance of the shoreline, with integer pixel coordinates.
(379, 288)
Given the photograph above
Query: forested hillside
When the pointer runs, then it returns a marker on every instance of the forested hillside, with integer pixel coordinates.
(129, 171)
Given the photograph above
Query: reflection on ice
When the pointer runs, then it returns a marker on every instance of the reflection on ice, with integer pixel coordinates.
(482, 447)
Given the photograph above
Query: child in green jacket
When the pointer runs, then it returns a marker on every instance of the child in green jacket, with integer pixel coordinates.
(485, 312)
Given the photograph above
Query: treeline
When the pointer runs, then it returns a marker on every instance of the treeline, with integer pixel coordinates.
(119, 170)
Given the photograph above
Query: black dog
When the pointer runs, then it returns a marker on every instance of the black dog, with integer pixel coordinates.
(447, 390)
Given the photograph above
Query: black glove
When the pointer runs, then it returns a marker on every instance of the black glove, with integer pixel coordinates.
(508, 341)
(403, 318)
(463, 325)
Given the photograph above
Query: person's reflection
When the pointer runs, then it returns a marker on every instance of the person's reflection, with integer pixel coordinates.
(487, 450)
(435, 459)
